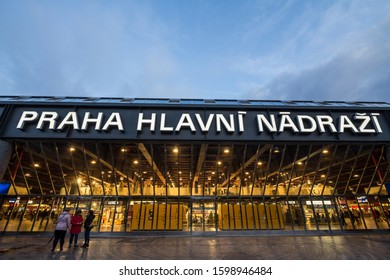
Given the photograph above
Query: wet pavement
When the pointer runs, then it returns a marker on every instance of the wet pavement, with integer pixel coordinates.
(352, 246)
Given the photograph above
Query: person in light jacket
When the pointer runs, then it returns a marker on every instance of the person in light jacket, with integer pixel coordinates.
(62, 225)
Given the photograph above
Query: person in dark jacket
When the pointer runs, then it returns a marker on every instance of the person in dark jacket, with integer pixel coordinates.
(76, 222)
(87, 228)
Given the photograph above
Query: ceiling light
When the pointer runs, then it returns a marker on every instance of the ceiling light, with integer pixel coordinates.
(325, 151)
(259, 163)
(226, 150)
(135, 162)
(72, 149)
(175, 150)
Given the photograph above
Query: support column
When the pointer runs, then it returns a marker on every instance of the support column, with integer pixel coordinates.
(5, 156)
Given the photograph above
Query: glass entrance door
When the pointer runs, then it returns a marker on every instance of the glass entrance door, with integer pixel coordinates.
(203, 215)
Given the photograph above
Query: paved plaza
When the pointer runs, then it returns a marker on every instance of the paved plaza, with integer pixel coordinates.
(354, 246)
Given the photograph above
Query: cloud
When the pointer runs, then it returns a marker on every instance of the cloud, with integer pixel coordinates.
(361, 73)
(82, 48)
(352, 65)
(275, 50)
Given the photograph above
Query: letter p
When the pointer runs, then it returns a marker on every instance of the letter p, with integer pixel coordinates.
(27, 116)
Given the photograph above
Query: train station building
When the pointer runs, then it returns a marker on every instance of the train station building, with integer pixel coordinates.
(194, 166)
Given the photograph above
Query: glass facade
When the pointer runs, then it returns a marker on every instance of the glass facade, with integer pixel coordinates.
(197, 187)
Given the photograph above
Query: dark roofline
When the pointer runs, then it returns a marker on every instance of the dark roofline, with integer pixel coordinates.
(124, 101)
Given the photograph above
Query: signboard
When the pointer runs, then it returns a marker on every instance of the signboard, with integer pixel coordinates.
(4, 187)
(196, 124)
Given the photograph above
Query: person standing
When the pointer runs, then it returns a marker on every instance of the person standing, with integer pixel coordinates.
(342, 218)
(62, 225)
(44, 215)
(87, 228)
(76, 222)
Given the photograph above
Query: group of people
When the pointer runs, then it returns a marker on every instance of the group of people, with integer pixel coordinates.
(74, 224)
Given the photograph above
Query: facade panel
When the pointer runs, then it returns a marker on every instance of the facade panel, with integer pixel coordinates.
(196, 168)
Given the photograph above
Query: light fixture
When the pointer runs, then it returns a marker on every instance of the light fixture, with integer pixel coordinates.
(325, 151)
(36, 164)
(219, 162)
(175, 150)
(276, 149)
(135, 161)
(72, 149)
(299, 163)
(259, 163)
(93, 161)
(226, 150)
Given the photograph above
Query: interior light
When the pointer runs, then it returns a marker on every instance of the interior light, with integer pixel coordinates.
(259, 163)
(322, 176)
(175, 150)
(135, 162)
(299, 163)
(226, 150)
(93, 161)
(219, 162)
(72, 149)
(36, 164)
(325, 151)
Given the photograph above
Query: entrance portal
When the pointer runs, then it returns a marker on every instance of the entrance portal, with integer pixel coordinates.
(203, 215)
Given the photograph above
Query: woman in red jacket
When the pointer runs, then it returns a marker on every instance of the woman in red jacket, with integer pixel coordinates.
(76, 222)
